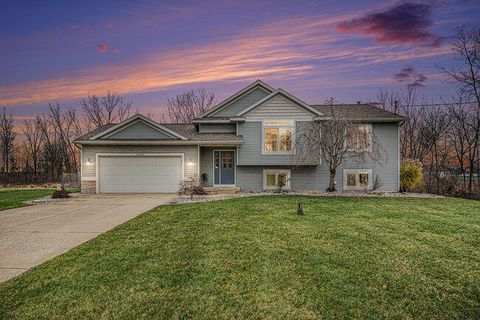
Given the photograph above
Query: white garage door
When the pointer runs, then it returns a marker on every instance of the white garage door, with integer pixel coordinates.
(139, 174)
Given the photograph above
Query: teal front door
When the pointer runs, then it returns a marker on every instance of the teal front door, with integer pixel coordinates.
(224, 167)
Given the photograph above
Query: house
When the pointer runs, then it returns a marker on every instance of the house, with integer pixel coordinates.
(244, 142)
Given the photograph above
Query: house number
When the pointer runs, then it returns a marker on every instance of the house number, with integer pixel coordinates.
(140, 154)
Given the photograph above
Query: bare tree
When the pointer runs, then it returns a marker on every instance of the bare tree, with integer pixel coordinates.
(334, 140)
(185, 107)
(33, 141)
(7, 136)
(110, 108)
(434, 137)
(465, 74)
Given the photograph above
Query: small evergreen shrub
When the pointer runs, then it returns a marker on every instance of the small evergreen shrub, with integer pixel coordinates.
(411, 176)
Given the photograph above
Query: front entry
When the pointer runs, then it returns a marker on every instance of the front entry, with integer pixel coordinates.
(224, 167)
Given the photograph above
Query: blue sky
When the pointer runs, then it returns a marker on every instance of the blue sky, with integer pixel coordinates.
(60, 51)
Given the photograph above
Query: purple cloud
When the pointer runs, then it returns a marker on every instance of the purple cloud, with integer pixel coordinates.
(406, 22)
(102, 47)
(410, 76)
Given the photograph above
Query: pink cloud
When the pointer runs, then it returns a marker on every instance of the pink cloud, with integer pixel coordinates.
(283, 49)
(102, 47)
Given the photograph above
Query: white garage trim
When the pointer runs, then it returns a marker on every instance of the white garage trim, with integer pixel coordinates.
(133, 154)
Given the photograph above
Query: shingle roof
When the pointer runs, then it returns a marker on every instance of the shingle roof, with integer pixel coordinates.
(364, 112)
(95, 131)
(187, 130)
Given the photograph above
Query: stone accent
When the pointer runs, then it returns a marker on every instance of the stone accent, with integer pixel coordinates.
(87, 187)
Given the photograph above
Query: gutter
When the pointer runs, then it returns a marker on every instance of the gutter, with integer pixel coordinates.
(231, 120)
(157, 143)
(362, 119)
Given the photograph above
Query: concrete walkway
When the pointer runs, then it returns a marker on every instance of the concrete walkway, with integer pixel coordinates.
(34, 234)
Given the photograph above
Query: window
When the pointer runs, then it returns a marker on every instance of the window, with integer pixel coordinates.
(351, 178)
(278, 136)
(359, 137)
(357, 179)
(273, 178)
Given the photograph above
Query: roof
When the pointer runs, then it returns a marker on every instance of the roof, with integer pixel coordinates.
(361, 112)
(95, 131)
(187, 130)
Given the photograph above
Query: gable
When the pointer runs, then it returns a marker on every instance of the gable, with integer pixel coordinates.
(245, 101)
(279, 107)
(139, 130)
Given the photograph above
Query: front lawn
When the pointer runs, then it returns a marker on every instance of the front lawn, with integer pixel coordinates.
(14, 198)
(254, 258)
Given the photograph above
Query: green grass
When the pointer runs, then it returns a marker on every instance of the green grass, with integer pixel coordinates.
(366, 258)
(15, 198)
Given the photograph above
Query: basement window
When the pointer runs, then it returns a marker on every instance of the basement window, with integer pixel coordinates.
(357, 179)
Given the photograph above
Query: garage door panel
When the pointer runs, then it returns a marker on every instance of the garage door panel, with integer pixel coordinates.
(139, 174)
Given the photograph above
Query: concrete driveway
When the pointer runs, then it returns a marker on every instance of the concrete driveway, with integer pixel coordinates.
(32, 235)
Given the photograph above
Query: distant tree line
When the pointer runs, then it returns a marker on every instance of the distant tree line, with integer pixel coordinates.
(445, 137)
(41, 149)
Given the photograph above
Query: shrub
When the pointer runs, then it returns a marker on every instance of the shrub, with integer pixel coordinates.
(191, 187)
(411, 176)
(60, 193)
(377, 183)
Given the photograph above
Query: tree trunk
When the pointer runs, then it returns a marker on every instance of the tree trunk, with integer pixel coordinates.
(331, 184)
(470, 178)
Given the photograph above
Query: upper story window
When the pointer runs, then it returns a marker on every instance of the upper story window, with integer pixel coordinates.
(360, 137)
(278, 136)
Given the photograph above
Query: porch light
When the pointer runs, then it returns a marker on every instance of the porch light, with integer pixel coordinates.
(89, 162)
(190, 162)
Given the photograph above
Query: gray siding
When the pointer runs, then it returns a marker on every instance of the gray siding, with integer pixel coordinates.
(242, 103)
(279, 107)
(250, 152)
(250, 178)
(89, 152)
(139, 130)
(217, 128)
(252, 163)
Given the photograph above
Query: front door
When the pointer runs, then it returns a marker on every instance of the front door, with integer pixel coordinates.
(224, 167)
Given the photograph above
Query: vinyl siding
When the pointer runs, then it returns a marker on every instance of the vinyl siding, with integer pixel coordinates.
(250, 175)
(89, 152)
(217, 128)
(139, 130)
(250, 152)
(279, 107)
(242, 103)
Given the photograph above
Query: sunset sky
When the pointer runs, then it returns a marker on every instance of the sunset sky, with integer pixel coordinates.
(61, 51)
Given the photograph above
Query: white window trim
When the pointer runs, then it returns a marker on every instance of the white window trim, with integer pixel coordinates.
(275, 126)
(370, 139)
(277, 171)
(357, 172)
